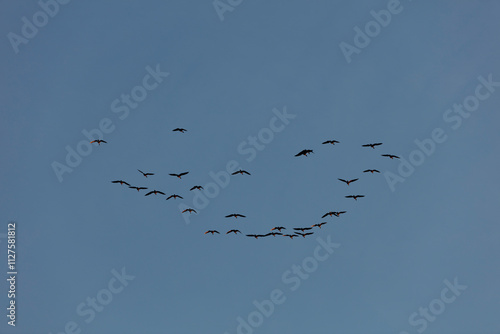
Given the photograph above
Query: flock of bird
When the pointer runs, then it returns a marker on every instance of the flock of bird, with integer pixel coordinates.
(275, 231)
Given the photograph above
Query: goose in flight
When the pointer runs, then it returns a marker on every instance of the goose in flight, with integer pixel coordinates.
(174, 196)
(279, 228)
(179, 175)
(235, 215)
(233, 231)
(348, 181)
(333, 213)
(189, 210)
(318, 225)
(138, 188)
(145, 174)
(156, 192)
(120, 182)
(304, 153)
(196, 187)
(241, 171)
(371, 171)
(372, 145)
(274, 234)
(355, 196)
(304, 234)
(302, 229)
(212, 231)
(331, 142)
(179, 130)
(256, 236)
(290, 235)
(98, 141)
(390, 156)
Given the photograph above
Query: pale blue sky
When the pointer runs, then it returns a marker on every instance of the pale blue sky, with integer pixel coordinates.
(225, 78)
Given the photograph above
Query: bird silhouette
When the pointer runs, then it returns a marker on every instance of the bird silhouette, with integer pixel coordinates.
(189, 210)
(235, 215)
(304, 153)
(145, 174)
(337, 214)
(174, 196)
(138, 188)
(371, 171)
(348, 181)
(318, 225)
(291, 236)
(155, 192)
(179, 130)
(279, 228)
(196, 187)
(120, 182)
(355, 196)
(179, 175)
(212, 231)
(274, 234)
(302, 228)
(331, 142)
(372, 145)
(233, 231)
(304, 234)
(390, 156)
(241, 172)
(256, 236)
(98, 141)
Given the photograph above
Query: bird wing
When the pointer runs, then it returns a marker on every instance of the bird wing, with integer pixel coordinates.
(246, 172)
(185, 173)
(353, 180)
(141, 171)
(342, 180)
(149, 193)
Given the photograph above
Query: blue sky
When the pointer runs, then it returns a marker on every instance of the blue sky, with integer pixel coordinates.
(397, 249)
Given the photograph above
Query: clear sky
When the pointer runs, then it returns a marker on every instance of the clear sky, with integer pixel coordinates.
(254, 83)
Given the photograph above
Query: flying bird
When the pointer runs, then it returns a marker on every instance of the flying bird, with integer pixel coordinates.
(336, 214)
(189, 210)
(290, 235)
(318, 225)
(304, 153)
(196, 187)
(174, 196)
(372, 145)
(256, 236)
(302, 228)
(390, 156)
(145, 174)
(304, 234)
(331, 142)
(155, 192)
(138, 188)
(212, 231)
(235, 215)
(179, 130)
(120, 182)
(274, 234)
(279, 228)
(371, 171)
(348, 181)
(179, 175)
(241, 172)
(355, 197)
(233, 231)
(98, 141)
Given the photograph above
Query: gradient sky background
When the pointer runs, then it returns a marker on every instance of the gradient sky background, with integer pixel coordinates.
(225, 79)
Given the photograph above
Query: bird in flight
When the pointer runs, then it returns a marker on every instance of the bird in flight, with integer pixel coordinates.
(174, 196)
(290, 235)
(331, 142)
(145, 174)
(304, 234)
(179, 175)
(155, 192)
(274, 234)
(304, 153)
(138, 188)
(235, 215)
(302, 229)
(372, 145)
(318, 225)
(336, 214)
(256, 236)
(390, 156)
(189, 210)
(98, 141)
(331, 213)
(355, 196)
(241, 172)
(212, 231)
(279, 228)
(179, 130)
(233, 231)
(196, 187)
(371, 171)
(120, 182)
(348, 181)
